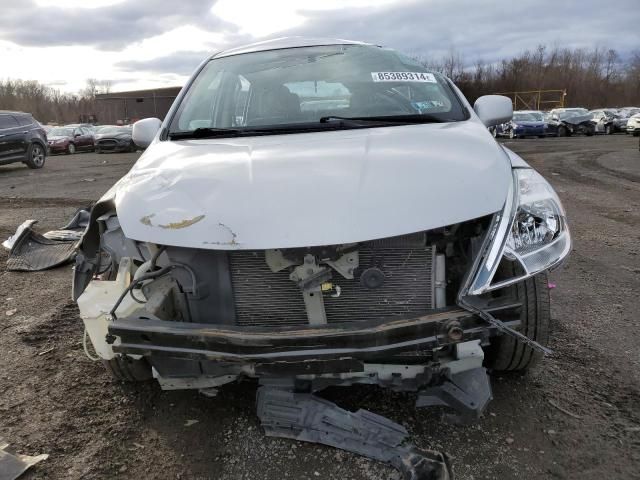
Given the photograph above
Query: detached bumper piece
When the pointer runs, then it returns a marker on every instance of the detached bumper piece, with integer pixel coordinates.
(305, 417)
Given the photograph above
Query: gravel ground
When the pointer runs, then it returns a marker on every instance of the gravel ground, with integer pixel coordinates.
(576, 416)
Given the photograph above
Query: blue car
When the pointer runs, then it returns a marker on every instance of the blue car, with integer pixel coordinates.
(523, 124)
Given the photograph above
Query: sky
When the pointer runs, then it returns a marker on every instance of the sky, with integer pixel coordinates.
(138, 44)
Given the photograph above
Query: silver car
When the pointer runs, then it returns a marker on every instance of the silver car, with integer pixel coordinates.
(323, 212)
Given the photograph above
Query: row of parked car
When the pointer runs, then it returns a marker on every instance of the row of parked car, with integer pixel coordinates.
(83, 136)
(562, 122)
(24, 139)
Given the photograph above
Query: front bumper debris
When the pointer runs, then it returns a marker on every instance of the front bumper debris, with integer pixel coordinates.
(145, 335)
(305, 417)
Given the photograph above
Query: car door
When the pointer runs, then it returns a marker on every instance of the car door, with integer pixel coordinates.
(79, 138)
(11, 138)
(90, 143)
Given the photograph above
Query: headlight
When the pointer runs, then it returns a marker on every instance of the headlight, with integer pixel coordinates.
(514, 125)
(61, 140)
(532, 230)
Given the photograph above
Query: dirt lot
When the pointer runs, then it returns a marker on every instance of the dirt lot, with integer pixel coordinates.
(59, 402)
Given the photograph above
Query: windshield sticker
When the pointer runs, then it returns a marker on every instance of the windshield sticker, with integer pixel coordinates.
(403, 77)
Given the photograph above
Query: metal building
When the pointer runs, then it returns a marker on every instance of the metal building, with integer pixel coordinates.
(128, 107)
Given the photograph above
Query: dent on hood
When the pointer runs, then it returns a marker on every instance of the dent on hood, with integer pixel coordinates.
(314, 188)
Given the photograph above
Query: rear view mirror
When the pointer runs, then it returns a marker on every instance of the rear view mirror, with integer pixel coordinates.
(144, 131)
(493, 109)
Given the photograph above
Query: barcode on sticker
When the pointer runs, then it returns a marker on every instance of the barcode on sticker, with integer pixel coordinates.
(403, 77)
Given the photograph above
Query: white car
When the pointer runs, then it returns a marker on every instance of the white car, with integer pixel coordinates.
(633, 125)
(392, 241)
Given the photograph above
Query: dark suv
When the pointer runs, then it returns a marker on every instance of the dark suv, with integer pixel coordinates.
(22, 139)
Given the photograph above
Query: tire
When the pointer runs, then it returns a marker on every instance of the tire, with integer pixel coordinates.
(127, 369)
(512, 135)
(562, 131)
(36, 156)
(635, 134)
(506, 354)
(590, 132)
(495, 133)
(607, 130)
(71, 149)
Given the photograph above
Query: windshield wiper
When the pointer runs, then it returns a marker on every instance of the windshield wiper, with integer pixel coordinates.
(410, 118)
(204, 133)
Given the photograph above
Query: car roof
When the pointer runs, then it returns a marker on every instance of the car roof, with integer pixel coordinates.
(285, 42)
(527, 111)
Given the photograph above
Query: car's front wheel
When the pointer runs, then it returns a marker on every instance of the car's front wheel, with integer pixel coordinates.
(508, 354)
(71, 149)
(512, 134)
(562, 131)
(607, 130)
(36, 156)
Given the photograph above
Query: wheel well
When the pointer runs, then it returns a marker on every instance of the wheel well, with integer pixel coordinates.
(39, 142)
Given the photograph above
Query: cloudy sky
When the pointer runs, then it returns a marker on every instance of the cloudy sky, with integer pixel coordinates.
(153, 43)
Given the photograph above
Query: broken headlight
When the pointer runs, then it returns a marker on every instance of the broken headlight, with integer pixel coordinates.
(532, 230)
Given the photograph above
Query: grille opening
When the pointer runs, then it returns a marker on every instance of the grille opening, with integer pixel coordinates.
(268, 299)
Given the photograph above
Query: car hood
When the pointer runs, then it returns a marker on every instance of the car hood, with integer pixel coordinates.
(307, 189)
(577, 119)
(534, 123)
(100, 136)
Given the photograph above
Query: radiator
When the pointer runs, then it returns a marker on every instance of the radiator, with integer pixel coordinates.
(267, 299)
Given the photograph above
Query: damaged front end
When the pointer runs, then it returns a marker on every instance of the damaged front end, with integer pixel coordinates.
(411, 312)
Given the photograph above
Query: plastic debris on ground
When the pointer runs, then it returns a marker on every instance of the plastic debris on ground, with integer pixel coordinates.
(13, 466)
(30, 251)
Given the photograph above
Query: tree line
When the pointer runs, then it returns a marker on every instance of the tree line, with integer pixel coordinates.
(592, 78)
(47, 104)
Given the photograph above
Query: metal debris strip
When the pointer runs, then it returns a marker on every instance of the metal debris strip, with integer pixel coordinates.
(470, 305)
(514, 333)
(12, 466)
(305, 417)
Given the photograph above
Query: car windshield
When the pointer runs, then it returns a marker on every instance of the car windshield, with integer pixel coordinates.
(61, 132)
(525, 117)
(310, 86)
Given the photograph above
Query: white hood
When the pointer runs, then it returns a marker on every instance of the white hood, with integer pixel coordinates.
(308, 189)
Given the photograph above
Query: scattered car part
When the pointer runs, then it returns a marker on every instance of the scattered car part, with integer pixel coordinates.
(13, 466)
(32, 252)
(308, 418)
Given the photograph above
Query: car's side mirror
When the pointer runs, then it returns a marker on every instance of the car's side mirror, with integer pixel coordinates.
(77, 134)
(493, 109)
(144, 131)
